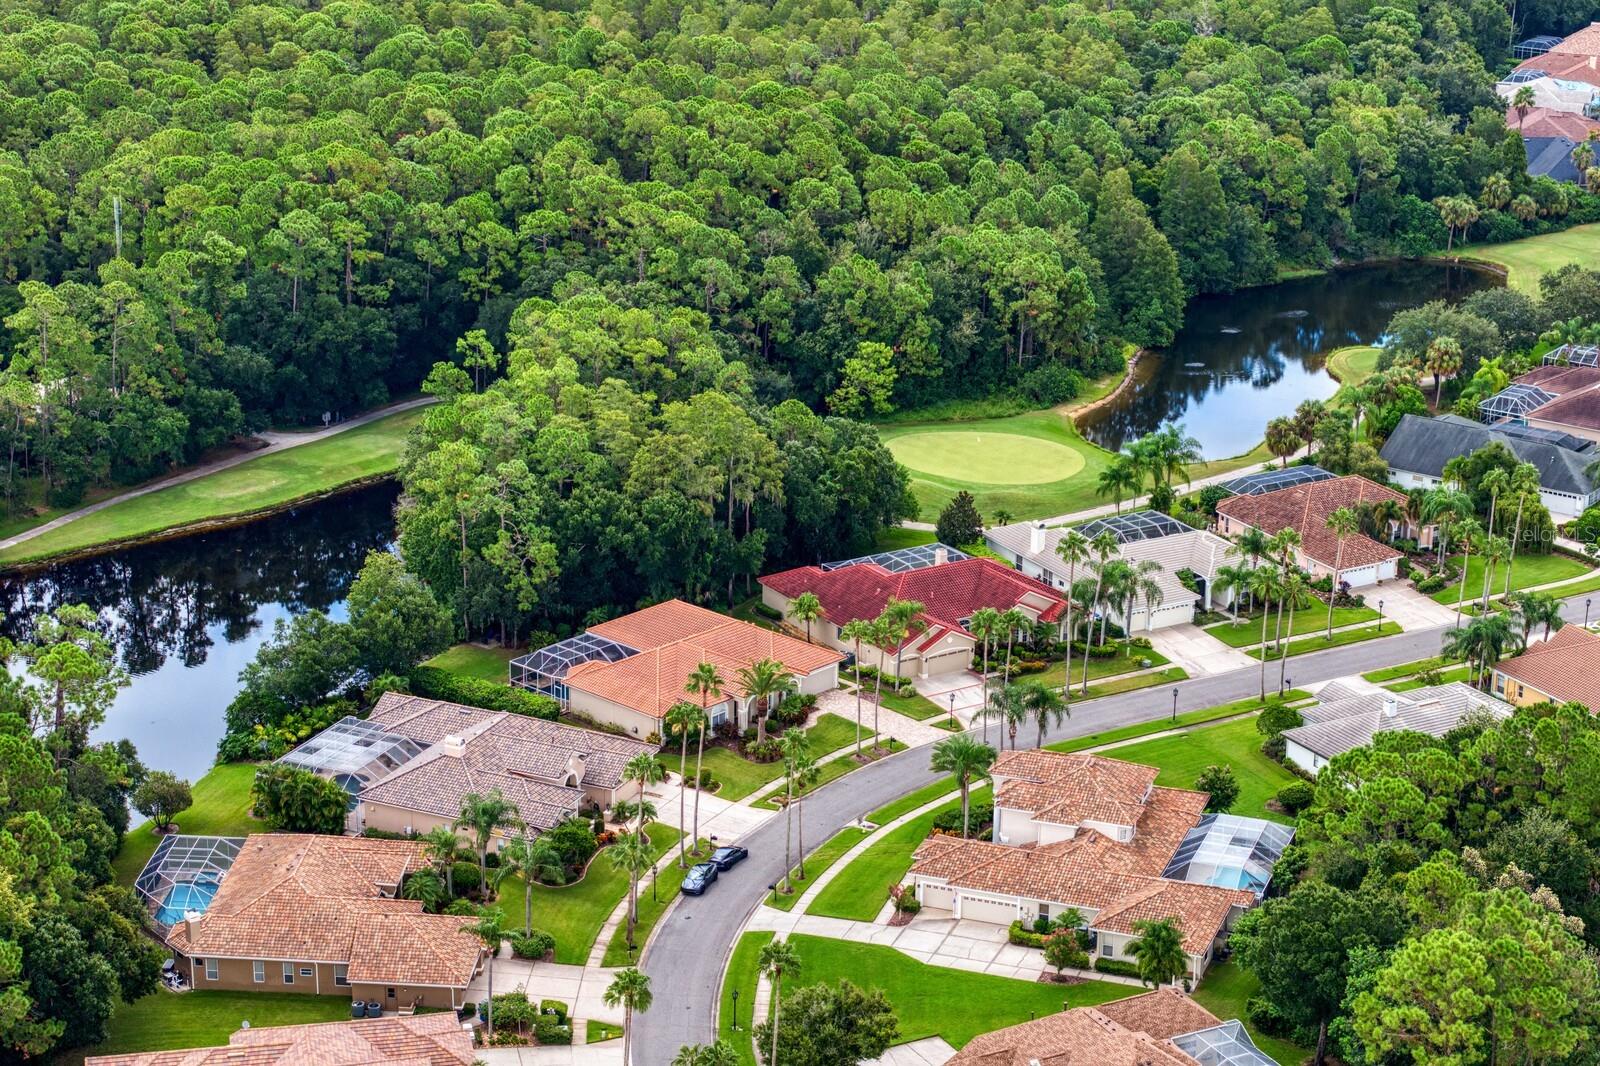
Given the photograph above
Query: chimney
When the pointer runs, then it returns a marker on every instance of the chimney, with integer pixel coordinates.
(1036, 538)
(1390, 707)
(453, 746)
(191, 923)
(941, 555)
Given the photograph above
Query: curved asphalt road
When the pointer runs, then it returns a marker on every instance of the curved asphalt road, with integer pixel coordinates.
(686, 956)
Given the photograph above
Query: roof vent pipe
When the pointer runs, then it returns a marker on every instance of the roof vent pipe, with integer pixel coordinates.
(1391, 707)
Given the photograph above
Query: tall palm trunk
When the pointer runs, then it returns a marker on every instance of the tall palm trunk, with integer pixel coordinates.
(777, 1006)
(800, 833)
(489, 1016)
(1516, 533)
(1097, 586)
(627, 1035)
(858, 699)
(788, 828)
(1461, 593)
(1266, 613)
(985, 713)
(1333, 586)
(1066, 658)
(699, 760)
(683, 796)
(966, 818)
(1283, 659)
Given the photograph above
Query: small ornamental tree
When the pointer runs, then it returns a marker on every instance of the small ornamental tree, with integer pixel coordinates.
(161, 797)
(960, 523)
(1220, 784)
(298, 801)
(1061, 950)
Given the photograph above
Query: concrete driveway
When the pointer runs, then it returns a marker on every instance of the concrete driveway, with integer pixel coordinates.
(1197, 651)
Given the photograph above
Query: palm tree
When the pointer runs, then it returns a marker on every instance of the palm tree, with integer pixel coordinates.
(1284, 542)
(806, 608)
(1105, 550)
(631, 855)
(681, 719)
(985, 625)
(806, 774)
(629, 990)
(883, 634)
(1343, 524)
(719, 1054)
(964, 759)
(644, 770)
(1495, 549)
(1252, 544)
(1496, 191)
(1494, 482)
(855, 631)
(1537, 608)
(763, 680)
(1149, 590)
(778, 957)
(793, 745)
(1469, 533)
(1264, 583)
(1294, 589)
(1480, 643)
(489, 928)
(1441, 505)
(440, 845)
(1443, 357)
(1525, 490)
(483, 814)
(1117, 585)
(1007, 706)
(1121, 476)
(901, 614)
(1072, 549)
(426, 887)
(706, 683)
(1159, 950)
(1235, 579)
(1176, 451)
(1523, 100)
(1014, 621)
(1525, 207)
(534, 859)
(1045, 705)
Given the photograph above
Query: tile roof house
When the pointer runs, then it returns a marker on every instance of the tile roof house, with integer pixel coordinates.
(1031, 548)
(1305, 509)
(321, 915)
(1345, 718)
(1548, 122)
(1565, 668)
(1095, 834)
(415, 1040)
(1575, 59)
(1160, 1028)
(1419, 448)
(949, 590)
(630, 671)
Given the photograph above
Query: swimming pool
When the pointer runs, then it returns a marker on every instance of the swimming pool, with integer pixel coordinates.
(185, 897)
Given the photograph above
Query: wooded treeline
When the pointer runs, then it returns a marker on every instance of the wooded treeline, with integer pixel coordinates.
(317, 200)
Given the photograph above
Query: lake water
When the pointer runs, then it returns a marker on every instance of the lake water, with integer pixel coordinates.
(188, 614)
(1242, 360)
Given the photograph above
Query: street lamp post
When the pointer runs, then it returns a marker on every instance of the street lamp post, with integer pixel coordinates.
(736, 1010)
(1380, 616)
(952, 708)
(1174, 703)
(1586, 604)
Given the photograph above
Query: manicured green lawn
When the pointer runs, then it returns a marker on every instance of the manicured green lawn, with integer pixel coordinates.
(270, 481)
(1529, 259)
(860, 889)
(1225, 991)
(913, 706)
(221, 808)
(912, 800)
(834, 769)
(816, 863)
(1128, 660)
(1131, 682)
(599, 1032)
(1307, 645)
(1237, 744)
(471, 660)
(655, 896)
(1207, 714)
(1578, 587)
(574, 913)
(1527, 571)
(1455, 673)
(1389, 673)
(901, 537)
(739, 776)
(1353, 364)
(735, 1016)
(165, 1020)
(1310, 620)
(933, 1000)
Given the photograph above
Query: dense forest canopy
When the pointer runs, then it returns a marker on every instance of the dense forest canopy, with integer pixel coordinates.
(872, 204)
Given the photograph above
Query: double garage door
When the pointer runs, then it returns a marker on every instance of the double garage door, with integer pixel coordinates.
(988, 910)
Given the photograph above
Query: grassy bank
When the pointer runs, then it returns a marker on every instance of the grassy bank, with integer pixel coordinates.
(474, 660)
(1527, 260)
(1181, 757)
(221, 808)
(1225, 991)
(1354, 364)
(1161, 725)
(654, 899)
(166, 1021)
(859, 890)
(1247, 631)
(261, 484)
(737, 776)
(1526, 572)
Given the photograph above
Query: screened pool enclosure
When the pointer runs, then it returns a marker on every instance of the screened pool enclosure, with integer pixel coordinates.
(183, 875)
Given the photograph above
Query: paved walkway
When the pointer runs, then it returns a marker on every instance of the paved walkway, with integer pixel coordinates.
(581, 988)
(1197, 651)
(932, 1051)
(276, 442)
(1410, 608)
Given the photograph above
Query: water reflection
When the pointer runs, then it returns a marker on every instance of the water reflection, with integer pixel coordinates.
(188, 614)
(1242, 360)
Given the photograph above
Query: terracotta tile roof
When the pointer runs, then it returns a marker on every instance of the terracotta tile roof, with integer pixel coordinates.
(1305, 508)
(1565, 667)
(305, 898)
(1163, 1014)
(422, 1040)
(1201, 910)
(652, 681)
(1548, 122)
(1576, 58)
(528, 759)
(1071, 789)
(948, 592)
(1089, 1036)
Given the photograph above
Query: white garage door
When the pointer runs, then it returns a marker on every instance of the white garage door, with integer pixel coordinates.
(938, 897)
(946, 662)
(1359, 577)
(987, 910)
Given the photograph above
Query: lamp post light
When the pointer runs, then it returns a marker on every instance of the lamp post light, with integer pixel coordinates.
(952, 708)
(736, 1010)
(1586, 604)
(1380, 616)
(1174, 703)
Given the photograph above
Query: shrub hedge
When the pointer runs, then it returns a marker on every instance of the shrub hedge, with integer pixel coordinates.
(437, 684)
(1117, 967)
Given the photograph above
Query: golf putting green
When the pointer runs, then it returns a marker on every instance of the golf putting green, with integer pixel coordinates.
(987, 458)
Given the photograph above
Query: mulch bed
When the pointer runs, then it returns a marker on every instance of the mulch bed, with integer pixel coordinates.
(1050, 977)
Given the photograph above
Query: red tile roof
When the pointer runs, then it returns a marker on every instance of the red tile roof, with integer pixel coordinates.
(1083, 1036)
(421, 1040)
(1565, 667)
(1576, 58)
(652, 681)
(1305, 508)
(948, 592)
(1071, 789)
(1547, 122)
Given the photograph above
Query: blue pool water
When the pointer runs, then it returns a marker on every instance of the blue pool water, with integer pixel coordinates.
(189, 896)
(1232, 877)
